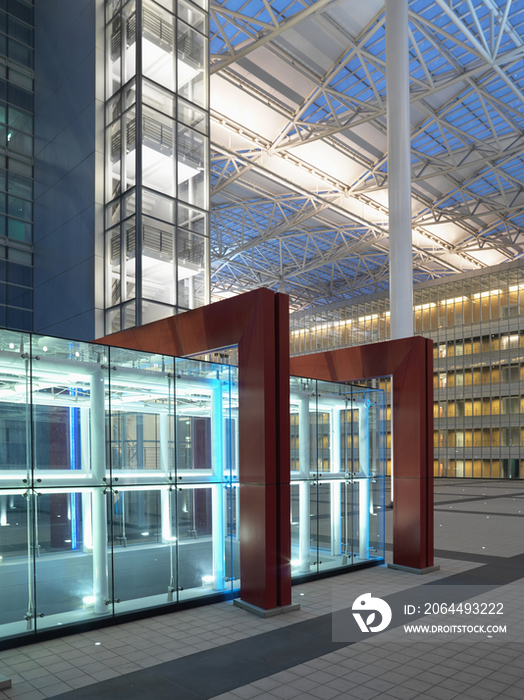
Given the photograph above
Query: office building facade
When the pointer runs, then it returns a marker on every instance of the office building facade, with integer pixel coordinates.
(475, 322)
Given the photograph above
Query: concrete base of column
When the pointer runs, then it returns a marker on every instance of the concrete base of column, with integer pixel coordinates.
(5, 682)
(260, 612)
(412, 570)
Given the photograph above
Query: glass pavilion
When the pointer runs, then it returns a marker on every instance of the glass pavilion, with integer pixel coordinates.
(119, 481)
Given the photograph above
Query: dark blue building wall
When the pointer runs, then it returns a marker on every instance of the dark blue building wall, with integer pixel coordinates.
(69, 137)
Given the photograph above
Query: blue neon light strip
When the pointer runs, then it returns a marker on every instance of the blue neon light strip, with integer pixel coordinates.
(73, 461)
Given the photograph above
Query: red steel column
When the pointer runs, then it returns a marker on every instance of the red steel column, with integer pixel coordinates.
(284, 452)
(257, 399)
(412, 407)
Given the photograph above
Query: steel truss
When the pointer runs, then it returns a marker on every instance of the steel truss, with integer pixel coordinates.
(285, 218)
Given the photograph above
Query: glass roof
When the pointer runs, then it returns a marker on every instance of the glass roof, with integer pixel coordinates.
(299, 143)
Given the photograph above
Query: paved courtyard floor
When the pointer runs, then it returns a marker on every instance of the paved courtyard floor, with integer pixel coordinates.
(225, 653)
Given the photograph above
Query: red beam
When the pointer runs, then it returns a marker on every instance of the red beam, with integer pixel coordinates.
(410, 362)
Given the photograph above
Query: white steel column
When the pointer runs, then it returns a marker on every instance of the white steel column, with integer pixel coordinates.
(399, 170)
(363, 483)
(336, 517)
(98, 465)
(85, 461)
(304, 495)
(399, 177)
(165, 497)
(219, 493)
(191, 293)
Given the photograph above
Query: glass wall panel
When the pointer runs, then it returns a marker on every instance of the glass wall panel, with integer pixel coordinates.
(192, 116)
(196, 18)
(154, 312)
(69, 395)
(192, 166)
(142, 544)
(114, 160)
(120, 44)
(191, 265)
(232, 564)
(142, 397)
(207, 477)
(15, 412)
(158, 152)
(17, 602)
(192, 58)
(158, 261)
(337, 473)
(198, 539)
(128, 140)
(72, 557)
(113, 320)
(158, 206)
(157, 98)
(129, 271)
(158, 45)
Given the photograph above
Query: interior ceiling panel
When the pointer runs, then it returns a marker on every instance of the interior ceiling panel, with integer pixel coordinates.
(299, 155)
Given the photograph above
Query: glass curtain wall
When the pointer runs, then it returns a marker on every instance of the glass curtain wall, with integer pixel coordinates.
(118, 481)
(157, 151)
(337, 476)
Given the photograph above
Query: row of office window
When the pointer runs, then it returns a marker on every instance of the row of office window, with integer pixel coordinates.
(480, 437)
(496, 299)
(478, 468)
(475, 324)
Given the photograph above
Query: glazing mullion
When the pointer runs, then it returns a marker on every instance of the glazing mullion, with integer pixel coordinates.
(32, 532)
(138, 166)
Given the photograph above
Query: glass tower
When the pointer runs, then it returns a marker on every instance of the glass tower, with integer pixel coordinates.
(156, 160)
